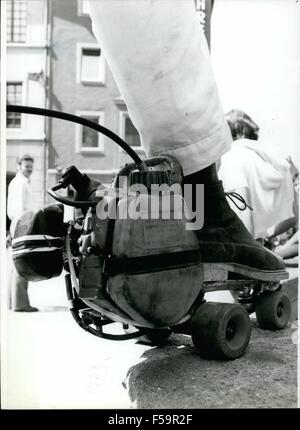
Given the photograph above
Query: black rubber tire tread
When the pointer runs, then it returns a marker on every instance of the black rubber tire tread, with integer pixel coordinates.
(273, 310)
(210, 330)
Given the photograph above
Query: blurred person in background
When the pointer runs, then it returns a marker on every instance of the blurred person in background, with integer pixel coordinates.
(19, 200)
(284, 237)
(260, 174)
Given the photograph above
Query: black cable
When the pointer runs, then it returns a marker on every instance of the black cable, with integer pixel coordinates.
(85, 122)
(240, 199)
(69, 202)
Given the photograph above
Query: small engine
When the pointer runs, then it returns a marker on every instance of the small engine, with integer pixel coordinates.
(142, 267)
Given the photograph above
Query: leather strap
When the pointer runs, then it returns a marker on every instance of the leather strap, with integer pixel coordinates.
(150, 263)
(33, 243)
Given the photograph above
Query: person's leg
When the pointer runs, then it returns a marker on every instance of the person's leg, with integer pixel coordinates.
(10, 271)
(159, 57)
(19, 294)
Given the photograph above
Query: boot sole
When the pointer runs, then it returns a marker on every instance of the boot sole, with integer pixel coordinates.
(250, 272)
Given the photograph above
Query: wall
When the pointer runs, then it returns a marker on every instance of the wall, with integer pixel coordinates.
(69, 29)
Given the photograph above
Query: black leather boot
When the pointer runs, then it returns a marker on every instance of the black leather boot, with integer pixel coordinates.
(226, 243)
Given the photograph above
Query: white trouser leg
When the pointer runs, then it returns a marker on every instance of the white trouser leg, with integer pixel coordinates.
(159, 57)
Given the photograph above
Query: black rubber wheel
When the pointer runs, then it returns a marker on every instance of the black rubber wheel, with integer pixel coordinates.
(221, 330)
(273, 310)
(155, 337)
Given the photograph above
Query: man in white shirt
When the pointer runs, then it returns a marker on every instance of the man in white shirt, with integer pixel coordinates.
(19, 200)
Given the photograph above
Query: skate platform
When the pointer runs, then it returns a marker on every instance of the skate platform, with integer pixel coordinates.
(290, 286)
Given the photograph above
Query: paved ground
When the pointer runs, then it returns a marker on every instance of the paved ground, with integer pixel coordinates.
(49, 362)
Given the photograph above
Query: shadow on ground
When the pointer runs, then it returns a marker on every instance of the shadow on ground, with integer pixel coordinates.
(174, 376)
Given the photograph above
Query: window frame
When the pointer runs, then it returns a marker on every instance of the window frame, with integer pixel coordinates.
(122, 122)
(80, 8)
(80, 79)
(79, 149)
(21, 128)
(13, 42)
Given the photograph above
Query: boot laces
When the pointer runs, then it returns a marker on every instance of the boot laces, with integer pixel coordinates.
(233, 195)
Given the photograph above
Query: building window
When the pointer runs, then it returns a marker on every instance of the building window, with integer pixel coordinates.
(16, 21)
(91, 64)
(131, 134)
(83, 7)
(128, 132)
(87, 139)
(13, 97)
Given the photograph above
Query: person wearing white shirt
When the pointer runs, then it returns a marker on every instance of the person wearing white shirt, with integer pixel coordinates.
(261, 175)
(19, 200)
